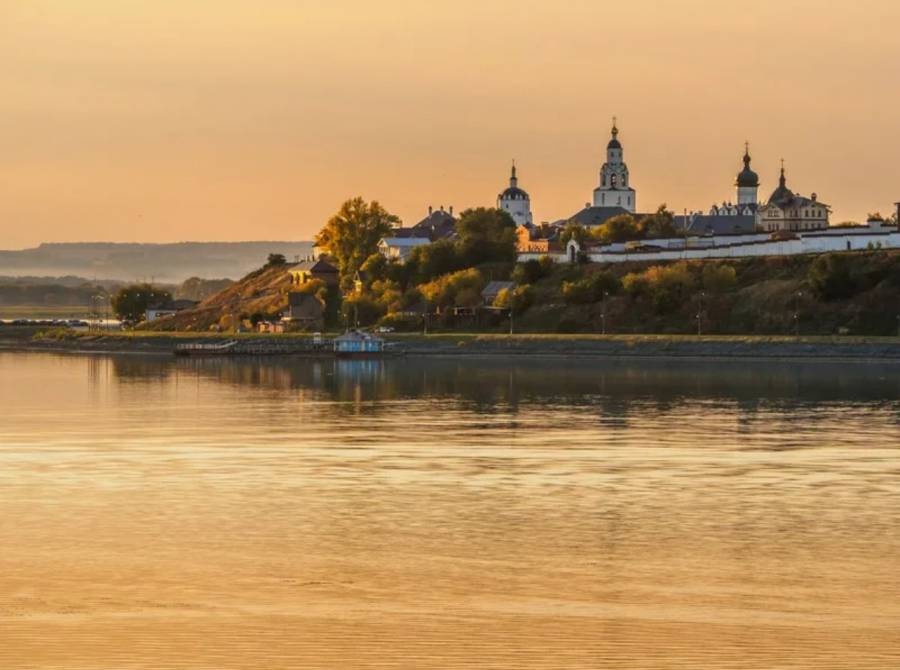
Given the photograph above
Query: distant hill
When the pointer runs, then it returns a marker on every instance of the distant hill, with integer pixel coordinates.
(167, 263)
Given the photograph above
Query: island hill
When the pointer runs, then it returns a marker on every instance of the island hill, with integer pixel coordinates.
(468, 279)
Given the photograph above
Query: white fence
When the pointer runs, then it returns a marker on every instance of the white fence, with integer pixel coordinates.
(737, 246)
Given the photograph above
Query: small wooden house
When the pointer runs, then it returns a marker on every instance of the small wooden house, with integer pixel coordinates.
(306, 271)
(305, 312)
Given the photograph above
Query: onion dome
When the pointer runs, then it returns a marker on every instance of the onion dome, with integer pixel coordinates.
(782, 194)
(747, 177)
(514, 192)
(614, 142)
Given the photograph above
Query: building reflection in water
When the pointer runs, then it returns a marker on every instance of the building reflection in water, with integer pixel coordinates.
(619, 390)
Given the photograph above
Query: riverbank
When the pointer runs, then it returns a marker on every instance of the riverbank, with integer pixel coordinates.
(492, 345)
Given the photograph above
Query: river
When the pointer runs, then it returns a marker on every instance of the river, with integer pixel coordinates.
(171, 514)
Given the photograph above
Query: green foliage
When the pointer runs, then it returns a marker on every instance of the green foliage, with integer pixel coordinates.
(636, 285)
(276, 259)
(402, 323)
(131, 302)
(659, 224)
(668, 286)
(486, 235)
(462, 288)
(387, 295)
(719, 278)
(622, 228)
(518, 299)
(361, 311)
(375, 267)
(830, 277)
(574, 232)
(351, 236)
(58, 333)
(333, 299)
(591, 289)
(196, 288)
(625, 228)
(436, 259)
(533, 270)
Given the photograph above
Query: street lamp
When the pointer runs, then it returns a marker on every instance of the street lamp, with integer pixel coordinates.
(603, 313)
(797, 313)
(700, 314)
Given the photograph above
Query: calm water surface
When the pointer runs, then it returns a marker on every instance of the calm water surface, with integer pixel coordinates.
(157, 513)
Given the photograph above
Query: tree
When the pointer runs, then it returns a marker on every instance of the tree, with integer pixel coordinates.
(592, 288)
(830, 277)
(276, 259)
(574, 231)
(131, 302)
(375, 267)
(719, 278)
(486, 235)
(532, 270)
(352, 235)
(458, 288)
(621, 228)
(436, 259)
(518, 299)
(657, 225)
(361, 311)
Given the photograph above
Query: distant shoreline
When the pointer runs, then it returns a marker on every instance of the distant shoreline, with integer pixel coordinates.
(519, 347)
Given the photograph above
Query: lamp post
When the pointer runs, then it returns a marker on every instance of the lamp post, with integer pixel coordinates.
(603, 313)
(700, 314)
(797, 313)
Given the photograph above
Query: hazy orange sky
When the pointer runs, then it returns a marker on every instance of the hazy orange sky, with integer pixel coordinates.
(165, 120)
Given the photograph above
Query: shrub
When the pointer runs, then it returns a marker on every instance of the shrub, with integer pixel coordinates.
(131, 302)
(361, 311)
(444, 291)
(519, 299)
(592, 288)
(57, 333)
(830, 277)
(719, 278)
(636, 284)
(533, 270)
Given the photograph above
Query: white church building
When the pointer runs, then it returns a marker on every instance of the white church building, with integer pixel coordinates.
(516, 202)
(615, 188)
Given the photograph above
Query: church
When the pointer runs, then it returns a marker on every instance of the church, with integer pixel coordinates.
(614, 189)
(516, 202)
(787, 211)
(615, 195)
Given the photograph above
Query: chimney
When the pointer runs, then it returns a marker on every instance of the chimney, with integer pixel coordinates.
(451, 209)
(442, 208)
(430, 210)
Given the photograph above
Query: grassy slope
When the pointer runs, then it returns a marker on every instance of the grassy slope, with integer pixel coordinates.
(763, 302)
(263, 290)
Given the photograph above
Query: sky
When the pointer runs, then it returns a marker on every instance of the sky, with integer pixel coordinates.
(170, 120)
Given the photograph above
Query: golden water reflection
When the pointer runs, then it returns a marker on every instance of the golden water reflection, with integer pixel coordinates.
(159, 513)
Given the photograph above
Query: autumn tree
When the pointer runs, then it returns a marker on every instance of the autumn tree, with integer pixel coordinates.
(131, 302)
(486, 235)
(352, 235)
